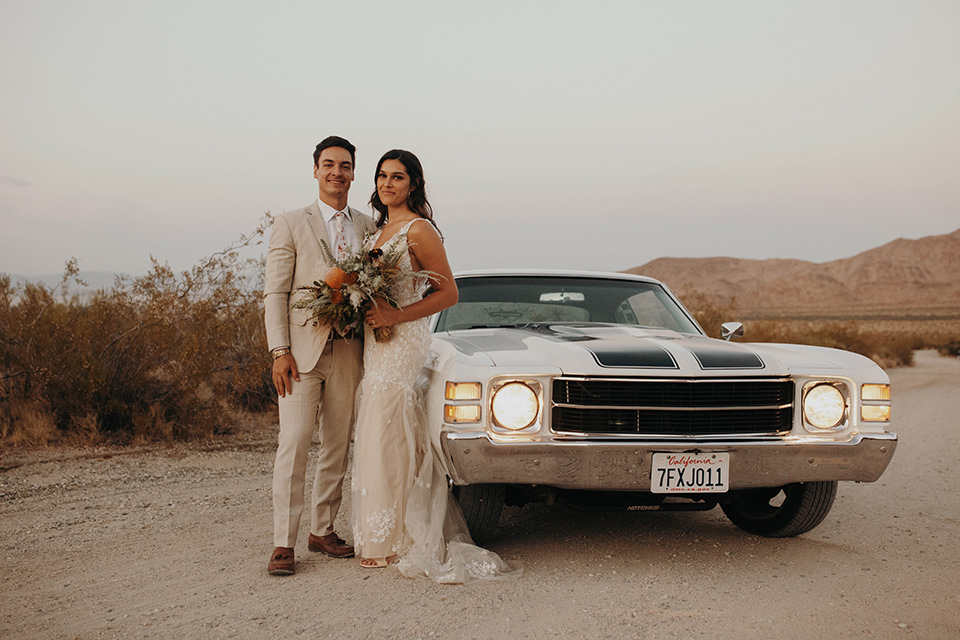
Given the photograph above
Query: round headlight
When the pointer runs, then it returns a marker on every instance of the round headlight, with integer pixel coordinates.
(515, 406)
(824, 406)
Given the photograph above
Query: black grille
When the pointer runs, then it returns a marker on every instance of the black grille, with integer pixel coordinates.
(672, 407)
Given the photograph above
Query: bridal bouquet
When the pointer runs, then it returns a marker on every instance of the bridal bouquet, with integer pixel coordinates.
(363, 279)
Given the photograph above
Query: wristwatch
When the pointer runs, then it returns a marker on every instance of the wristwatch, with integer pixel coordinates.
(279, 351)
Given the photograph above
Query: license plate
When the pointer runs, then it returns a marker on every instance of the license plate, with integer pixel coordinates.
(690, 473)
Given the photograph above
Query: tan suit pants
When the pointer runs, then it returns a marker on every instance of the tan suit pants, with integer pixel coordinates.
(329, 391)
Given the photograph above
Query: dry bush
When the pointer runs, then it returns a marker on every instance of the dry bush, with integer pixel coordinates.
(890, 342)
(709, 313)
(163, 356)
(950, 348)
(886, 348)
(27, 423)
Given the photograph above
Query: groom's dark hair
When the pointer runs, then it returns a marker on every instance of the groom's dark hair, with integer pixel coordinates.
(335, 141)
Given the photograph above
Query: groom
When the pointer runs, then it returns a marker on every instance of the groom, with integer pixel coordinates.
(315, 371)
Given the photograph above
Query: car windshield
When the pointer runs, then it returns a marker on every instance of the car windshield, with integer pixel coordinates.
(508, 301)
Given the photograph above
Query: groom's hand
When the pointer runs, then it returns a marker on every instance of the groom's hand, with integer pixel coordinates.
(284, 368)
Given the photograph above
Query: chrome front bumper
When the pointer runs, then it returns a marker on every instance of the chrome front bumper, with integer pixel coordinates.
(473, 458)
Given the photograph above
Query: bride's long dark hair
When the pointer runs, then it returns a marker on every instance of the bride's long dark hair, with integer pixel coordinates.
(417, 199)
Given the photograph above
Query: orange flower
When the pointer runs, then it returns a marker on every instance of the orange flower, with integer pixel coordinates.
(336, 297)
(351, 278)
(334, 277)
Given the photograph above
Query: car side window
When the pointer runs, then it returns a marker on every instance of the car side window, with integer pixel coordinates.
(648, 311)
(624, 314)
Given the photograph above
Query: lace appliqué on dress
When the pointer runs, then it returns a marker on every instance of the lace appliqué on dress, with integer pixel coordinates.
(394, 364)
(381, 523)
(395, 463)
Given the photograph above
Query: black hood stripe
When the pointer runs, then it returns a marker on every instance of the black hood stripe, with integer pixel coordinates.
(617, 350)
(612, 348)
(723, 355)
(635, 353)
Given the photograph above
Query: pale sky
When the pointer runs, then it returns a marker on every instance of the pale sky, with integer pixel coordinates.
(582, 135)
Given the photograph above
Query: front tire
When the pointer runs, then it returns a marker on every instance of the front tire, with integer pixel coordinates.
(481, 505)
(782, 512)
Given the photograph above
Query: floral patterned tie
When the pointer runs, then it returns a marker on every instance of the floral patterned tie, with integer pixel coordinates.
(341, 251)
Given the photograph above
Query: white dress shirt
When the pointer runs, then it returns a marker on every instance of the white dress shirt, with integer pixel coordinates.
(328, 214)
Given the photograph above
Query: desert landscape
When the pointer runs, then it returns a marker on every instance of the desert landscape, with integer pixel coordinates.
(155, 533)
(903, 279)
(790, 166)
(884, 303)
(171, 542)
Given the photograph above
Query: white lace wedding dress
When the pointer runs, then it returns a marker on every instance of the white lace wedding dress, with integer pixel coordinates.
(402, 505)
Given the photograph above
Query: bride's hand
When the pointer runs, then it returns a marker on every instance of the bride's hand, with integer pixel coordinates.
(383, 315)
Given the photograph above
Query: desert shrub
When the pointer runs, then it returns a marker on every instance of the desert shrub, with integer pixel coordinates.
(709, 313)
(887, 346)
(26, 423)
(950, 348)
(162, 356)
(889, 349)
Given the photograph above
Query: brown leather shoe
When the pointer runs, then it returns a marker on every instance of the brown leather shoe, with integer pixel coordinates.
(282, 562)
(332, 545)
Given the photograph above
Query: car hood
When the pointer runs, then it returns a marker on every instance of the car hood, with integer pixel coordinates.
(612, 349)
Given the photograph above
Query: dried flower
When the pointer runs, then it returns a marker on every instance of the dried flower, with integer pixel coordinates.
(355, 284)
(334, 277)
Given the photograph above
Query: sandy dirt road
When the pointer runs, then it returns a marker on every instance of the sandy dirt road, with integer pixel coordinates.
(173, 543)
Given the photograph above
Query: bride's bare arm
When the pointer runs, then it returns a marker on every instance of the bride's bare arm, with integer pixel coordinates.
(428, 252)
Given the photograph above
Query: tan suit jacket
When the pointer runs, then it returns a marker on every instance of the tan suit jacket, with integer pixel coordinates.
(295, 259)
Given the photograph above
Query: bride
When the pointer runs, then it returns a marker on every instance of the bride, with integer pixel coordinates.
(402, 506)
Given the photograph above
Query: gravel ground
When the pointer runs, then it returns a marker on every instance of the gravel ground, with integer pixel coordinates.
(173, 543)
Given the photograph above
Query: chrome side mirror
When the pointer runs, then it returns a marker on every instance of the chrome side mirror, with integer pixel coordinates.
(731, 330)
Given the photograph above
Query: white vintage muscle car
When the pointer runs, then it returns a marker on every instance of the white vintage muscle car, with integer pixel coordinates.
(603, 389)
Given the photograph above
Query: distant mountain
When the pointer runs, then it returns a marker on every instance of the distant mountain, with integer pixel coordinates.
(903, 276)
(95, 280)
